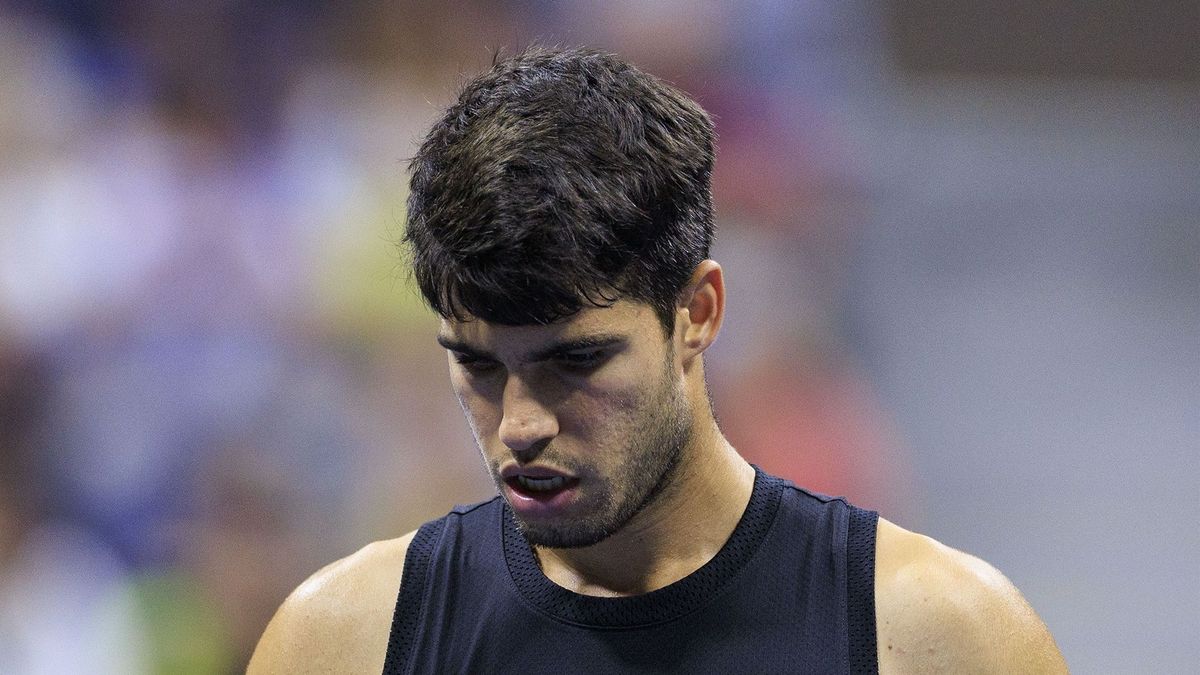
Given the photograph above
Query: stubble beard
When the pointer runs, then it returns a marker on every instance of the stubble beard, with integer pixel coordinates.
(659, 437)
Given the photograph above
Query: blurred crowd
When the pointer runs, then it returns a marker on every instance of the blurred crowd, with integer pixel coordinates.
(962, 281)
(214, 374)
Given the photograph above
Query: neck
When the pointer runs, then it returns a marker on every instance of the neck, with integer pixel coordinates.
(680, 531)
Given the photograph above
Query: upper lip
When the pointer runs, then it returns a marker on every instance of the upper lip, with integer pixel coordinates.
(512, 471)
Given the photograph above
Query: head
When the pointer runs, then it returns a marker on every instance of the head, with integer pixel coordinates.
(559, 222)
(561, 179)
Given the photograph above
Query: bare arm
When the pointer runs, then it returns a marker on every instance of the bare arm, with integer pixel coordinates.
(338, 621)
(939, 610)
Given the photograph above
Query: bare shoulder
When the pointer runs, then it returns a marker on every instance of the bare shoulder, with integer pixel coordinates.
(942, 610)
(338, 620)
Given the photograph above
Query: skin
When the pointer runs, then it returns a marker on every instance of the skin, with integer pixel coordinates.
(938, 610)
(620, 430)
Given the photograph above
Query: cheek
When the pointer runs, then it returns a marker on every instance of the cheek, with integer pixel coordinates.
(482, 415)
(604, 411)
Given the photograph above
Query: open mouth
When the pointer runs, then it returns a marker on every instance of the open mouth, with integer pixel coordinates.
(540, 488)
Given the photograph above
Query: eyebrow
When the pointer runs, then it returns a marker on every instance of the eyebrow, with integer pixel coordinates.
(545, 353)
(578, 344)
(456, 345)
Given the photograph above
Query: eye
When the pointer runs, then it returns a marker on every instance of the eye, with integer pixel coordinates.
(583, 361)
(474, 364)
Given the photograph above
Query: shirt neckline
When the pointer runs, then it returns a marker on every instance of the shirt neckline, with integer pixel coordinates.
(665, 604)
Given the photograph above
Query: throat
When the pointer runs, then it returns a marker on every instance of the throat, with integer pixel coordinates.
(663, 544)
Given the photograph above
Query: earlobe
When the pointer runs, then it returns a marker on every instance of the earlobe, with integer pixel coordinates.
(702, 306)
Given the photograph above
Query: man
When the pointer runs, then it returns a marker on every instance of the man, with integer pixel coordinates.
(560, 222)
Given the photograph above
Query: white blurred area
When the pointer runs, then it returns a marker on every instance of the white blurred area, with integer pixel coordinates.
(963, 277)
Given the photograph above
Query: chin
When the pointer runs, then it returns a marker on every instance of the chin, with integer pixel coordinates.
(552, 537)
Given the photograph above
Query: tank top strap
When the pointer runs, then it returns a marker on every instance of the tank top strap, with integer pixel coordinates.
(860, 590)
(409, 605)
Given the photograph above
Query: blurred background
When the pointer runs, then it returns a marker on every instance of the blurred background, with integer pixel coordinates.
(962, 242)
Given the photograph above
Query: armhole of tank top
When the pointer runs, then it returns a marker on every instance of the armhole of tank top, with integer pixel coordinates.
(860, 590)
(409, 603)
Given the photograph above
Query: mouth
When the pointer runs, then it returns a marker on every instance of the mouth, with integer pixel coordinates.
(535, 486)
(539, 492)
(540, 487)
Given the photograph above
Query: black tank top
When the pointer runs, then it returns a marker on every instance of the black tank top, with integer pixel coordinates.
(792, 591)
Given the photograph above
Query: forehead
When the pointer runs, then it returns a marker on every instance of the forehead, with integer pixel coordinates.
(623, 318)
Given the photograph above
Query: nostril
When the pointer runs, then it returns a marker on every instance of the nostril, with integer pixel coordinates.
(523, 433)
(529, 452)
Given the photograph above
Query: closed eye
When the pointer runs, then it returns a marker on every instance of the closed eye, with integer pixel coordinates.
(583, 361)
(475, 364)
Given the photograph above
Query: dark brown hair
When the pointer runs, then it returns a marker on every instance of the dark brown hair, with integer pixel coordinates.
(561, 177)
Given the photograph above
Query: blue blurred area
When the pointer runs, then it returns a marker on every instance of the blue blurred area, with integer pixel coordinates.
(965, 296)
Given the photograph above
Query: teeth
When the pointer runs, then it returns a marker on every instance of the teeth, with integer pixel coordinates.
(541, 484)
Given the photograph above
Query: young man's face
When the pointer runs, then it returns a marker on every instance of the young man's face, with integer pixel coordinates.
(580, 422)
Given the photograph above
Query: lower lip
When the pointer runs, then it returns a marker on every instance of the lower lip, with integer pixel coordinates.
(535, 505)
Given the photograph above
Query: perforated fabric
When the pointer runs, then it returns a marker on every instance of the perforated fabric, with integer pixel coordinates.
(678, 599)
(860, 591)
(412, 585)
(791, 591)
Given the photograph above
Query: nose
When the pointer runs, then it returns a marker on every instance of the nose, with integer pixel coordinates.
(527, 425)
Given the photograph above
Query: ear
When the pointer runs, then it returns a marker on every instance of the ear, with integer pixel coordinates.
(701, 309)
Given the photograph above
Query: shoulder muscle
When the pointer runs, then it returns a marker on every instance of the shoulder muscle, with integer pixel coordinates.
(338, 621)
(942, 610)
